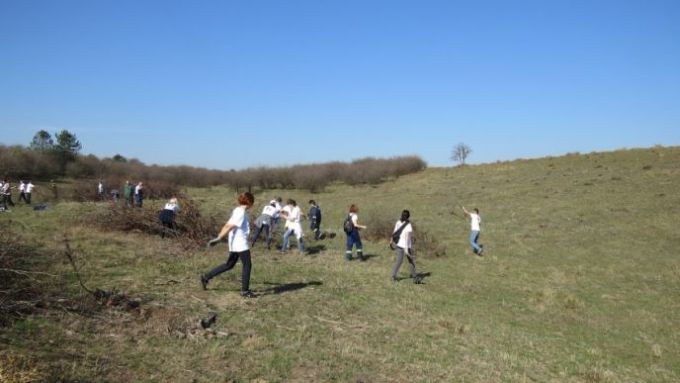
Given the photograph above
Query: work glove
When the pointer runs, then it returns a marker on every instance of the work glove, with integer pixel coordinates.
(214, 242)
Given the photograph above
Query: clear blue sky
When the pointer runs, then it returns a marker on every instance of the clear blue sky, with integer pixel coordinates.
(232, 84)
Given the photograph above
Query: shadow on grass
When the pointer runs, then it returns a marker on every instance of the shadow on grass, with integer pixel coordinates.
(419, 276)
(280, 288)
(316, 249)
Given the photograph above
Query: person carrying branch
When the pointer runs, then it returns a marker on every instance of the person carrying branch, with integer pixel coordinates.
(475, 223)
(237, 228)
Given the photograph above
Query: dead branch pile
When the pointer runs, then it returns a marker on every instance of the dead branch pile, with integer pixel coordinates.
(192, 228)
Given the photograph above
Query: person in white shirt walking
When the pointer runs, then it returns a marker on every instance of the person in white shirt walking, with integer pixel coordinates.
(403, 233)
(292, 214)
(237, 228)
(475, 228)
(22, 191)
(28, 190)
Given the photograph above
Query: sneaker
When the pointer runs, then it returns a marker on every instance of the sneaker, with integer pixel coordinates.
(204, 282)
(248, 294)
(480, 252)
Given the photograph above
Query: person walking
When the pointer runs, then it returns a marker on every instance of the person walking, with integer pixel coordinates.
(264, 222)
(402, 239)
(55, 191)
(475, 223)
(28, 190)
(7, 193)
(291, 213)
(353, 237)
(22, 191)
(167, 217)
(314, 216)
(237, 228)
(100, 190)
(128, 193)
(139, 194)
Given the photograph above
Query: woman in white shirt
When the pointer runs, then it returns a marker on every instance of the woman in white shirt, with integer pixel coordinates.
(475, 221)
(404, 245)
(292, 214)
(237, 228)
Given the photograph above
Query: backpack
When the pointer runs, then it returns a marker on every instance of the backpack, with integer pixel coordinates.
(348, 225)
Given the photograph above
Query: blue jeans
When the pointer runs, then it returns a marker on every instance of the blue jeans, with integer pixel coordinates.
(267, 233)
(474, 237)
(353, 239)
(284, 247)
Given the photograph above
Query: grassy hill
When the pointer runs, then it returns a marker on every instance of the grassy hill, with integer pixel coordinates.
(580, 282)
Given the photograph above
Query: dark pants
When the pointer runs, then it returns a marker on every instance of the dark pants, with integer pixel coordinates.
(353, 239)
(267, 233)
(316, 229)
(8, 200)
(28, 198)
(231, 262)
(22, 196)
(168, 225)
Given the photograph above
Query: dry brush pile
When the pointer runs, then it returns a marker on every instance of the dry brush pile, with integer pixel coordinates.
(192, 228)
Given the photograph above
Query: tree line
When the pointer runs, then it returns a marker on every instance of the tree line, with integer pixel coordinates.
(50, 158)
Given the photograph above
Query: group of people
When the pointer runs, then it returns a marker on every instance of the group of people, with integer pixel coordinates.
(237, 231)
(25, 193)
(133, 194)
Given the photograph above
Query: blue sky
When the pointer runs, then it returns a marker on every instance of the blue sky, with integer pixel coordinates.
(232, 84)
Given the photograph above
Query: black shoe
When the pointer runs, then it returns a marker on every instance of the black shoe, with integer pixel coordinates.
(395, 279)
(204, 282)
(248, 294)
(418, 280)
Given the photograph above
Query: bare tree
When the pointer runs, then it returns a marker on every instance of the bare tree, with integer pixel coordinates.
(460, 153)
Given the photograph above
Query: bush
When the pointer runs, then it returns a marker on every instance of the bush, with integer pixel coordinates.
(193, 229)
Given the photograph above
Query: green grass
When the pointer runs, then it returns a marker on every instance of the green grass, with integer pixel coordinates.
(579, 283)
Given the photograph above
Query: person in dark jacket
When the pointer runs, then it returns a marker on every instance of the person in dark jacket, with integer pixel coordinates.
(314, 216)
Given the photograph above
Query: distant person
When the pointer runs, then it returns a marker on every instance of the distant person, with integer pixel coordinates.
(7, 193)
(353, 237)
(115, 195)
(314, 216)
(475, 223)
(128, 190)
(291, 213)
(100, 190)
(139, 194)
(22, 191)
(167, 216)
(28, 191)
(238, 228)
(3, 202)
(403, 233)
(55, 191)
(264, 222)
(277, 213)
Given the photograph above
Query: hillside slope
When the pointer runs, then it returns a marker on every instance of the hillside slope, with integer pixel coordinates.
(579, 283)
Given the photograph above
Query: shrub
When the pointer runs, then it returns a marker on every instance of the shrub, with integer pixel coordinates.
(380, 228)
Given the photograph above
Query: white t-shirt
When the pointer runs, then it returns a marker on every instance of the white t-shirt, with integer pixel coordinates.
(22, 187)
(405, 241)
(269, 210)
(138, 188)
(238, 237)
(100, 187)
(277, 209)
(475, 220)
(29, 188)
(171, 206)
(355, 218)
(293, 220)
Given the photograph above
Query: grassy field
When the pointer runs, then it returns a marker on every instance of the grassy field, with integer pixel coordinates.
(580, 282)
